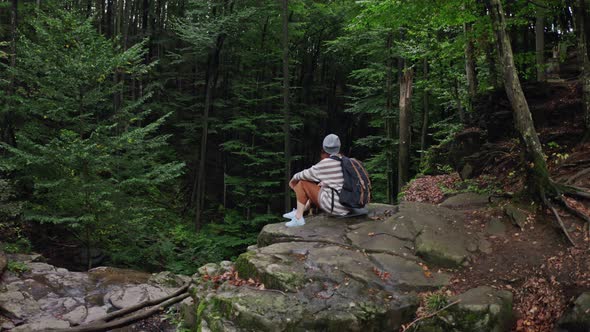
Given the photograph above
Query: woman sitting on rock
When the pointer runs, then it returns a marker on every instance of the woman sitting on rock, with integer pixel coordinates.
(319, 185)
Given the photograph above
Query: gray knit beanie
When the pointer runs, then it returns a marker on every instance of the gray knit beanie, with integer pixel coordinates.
(331, 144)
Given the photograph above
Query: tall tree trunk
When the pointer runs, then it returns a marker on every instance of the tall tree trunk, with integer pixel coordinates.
(109, 19)
(13, 32)
(539, 181)
(89, 8)
(470, 64)
(100, 11)
(540, 43)
(425, 111)
(583, 21)
(492, 65)
(119, 18)
(405, 109)
(457, 96)
(287, 124)
(389, 130)
(212, 72)
(7, 128)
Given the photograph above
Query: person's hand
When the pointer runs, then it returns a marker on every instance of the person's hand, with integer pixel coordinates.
(293, 183)
(321, 184)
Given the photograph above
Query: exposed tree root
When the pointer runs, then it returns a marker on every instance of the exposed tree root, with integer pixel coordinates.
(574, 211)
(550, 206)
(576, 163)
(578, 175)
(558, 191)
(582, 194)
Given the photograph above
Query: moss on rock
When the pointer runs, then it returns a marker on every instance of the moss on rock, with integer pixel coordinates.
(479, 309)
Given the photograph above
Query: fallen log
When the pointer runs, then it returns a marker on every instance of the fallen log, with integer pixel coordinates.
(108, 322)
(149, 303)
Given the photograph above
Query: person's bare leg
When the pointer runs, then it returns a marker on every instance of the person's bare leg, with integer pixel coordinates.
(300, 209)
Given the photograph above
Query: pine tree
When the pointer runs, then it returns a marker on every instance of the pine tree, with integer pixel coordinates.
(95, 169)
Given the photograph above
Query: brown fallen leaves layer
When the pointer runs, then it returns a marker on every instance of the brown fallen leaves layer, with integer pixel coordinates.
(571, 266)
(232, 277)
(429, 189)
(538, 303)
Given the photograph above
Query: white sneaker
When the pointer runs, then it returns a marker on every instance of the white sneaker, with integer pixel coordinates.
(290, 215)
(295, 222)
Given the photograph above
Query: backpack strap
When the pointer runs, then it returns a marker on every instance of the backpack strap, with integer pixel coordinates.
(332, 210)
(333, 157)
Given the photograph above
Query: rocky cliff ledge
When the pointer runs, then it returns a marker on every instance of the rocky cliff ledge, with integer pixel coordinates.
(335, 274)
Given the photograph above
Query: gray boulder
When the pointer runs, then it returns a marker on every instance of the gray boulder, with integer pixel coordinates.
(210, 269)
(517, 215)
(577, 318)
(43, 324)
(18, 305)
(480, 309)
(132, 295)
(168, 279)
(466, 200)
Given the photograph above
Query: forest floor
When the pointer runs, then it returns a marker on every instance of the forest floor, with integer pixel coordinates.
(533, 260)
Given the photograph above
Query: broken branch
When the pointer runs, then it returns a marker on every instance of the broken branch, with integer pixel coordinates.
(407, 327)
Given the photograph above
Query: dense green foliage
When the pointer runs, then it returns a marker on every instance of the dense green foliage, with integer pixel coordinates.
(104, 105)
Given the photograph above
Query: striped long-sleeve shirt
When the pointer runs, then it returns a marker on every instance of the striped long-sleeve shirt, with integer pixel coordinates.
(329, 172)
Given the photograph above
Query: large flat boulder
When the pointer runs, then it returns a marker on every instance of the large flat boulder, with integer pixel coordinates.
(318, 229)
(248, 309)
(442, 239)
(442, 247)
(338, 274)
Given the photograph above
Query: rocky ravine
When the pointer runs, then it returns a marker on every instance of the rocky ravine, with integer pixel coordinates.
(350, 275)
(45, 297)
(333, 274)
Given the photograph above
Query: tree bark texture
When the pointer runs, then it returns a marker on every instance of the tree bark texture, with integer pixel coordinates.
(539, 181)
(540, 43)
(405, 109)
(457, 95)
(425, 111)
(7, 127)
(13, 32)
(212, 72)
(582, 20)
(389, 120)
(286, 111)
(470, 63)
